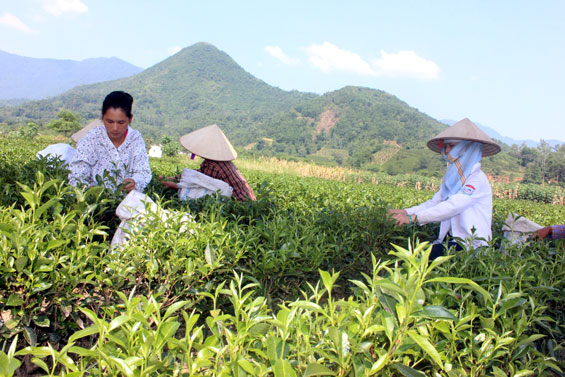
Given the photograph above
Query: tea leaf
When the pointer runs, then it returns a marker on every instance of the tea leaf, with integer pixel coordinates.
(246, 366)
(83, 352)
(118, 321)
(379, 364)
(373, 329)
(283, 368)
(8, 365)
(54, 244)
(14, 300)
(210, 254)
(524, 373)
(90, 330)
(259, 329)
(30, 336)
(426, 346)
(308, 305)
(454, 280)
(174, 307)
(122, 365)
(530, 339)
(386, 284)
(407, 371)
(316, 369)
(438, 312)
(40, 363)
(498, 372)
(20, 263)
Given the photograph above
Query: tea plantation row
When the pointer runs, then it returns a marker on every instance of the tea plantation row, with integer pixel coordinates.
(305, 281)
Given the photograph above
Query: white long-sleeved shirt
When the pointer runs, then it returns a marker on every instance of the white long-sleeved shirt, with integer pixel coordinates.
(96, 154)
(470, 208)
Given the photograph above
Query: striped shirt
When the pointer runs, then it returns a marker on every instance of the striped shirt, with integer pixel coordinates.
(227, 172)
(558, 232)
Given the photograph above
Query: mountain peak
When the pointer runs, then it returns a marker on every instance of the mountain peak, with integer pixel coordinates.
(201, 58)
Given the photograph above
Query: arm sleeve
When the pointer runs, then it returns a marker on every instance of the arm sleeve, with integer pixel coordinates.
(457, 203)
(82, 163)
(558, 232)
(436, 199)
(444, 210)
(142, 171)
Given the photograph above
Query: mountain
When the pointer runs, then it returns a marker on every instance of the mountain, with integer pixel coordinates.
(506, 140)
(198, 85)
(30, 78)
(201, 85)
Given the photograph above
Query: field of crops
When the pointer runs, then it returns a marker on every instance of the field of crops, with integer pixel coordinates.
(311, 280)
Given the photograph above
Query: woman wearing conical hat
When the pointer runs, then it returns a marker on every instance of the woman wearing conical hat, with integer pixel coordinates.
(213, 146)
(464, 202)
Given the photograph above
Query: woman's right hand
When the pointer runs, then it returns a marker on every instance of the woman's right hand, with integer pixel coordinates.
(128, 184)
(541, 233)
(168, 183)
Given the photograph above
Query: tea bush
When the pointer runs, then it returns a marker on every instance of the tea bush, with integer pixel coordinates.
(301, 282)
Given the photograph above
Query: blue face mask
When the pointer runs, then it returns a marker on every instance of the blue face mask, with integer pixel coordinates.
(467, 154)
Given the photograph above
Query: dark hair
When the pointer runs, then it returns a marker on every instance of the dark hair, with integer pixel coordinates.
(118, 100)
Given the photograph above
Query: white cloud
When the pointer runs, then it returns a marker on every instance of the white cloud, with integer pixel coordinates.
(406, 64)
(58, 7)
(277, 53)
(173, 50)
(8, 19)
(329, 57)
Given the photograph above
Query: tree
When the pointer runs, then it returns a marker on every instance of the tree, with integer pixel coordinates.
(544, 150)
(527, 155)
(556, 165)
(67, 123)
(170, 147)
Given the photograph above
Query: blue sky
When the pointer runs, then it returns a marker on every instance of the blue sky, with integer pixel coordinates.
(499, 63)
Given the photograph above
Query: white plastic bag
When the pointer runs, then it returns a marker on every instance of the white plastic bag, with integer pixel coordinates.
(518, 229)
(194, 185)
(64, 151)
(133, 205)
(133, 211)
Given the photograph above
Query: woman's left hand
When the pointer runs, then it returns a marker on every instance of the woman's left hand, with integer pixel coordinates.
(128, 184)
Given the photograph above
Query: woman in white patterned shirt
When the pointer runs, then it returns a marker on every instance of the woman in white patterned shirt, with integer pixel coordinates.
(113, 153)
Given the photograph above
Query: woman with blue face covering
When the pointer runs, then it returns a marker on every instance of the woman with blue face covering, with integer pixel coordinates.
(464, 202)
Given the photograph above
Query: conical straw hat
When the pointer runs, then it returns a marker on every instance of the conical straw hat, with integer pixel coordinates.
(465, 130)
(83, 131)
(209, 143)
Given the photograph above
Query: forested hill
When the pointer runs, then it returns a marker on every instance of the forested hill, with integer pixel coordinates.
(202, 85)
(194, 87)
(24, 77)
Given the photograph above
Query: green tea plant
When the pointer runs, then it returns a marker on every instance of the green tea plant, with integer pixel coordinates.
(392, 324)
(300, 282)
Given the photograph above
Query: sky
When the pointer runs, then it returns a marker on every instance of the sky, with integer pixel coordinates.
(498, 63)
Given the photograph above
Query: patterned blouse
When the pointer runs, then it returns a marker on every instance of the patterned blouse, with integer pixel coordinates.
(227, 172)
(97, 156)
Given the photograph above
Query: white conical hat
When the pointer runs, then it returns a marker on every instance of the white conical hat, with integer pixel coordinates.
(209, 143)
(83, 131)
(464, 130)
